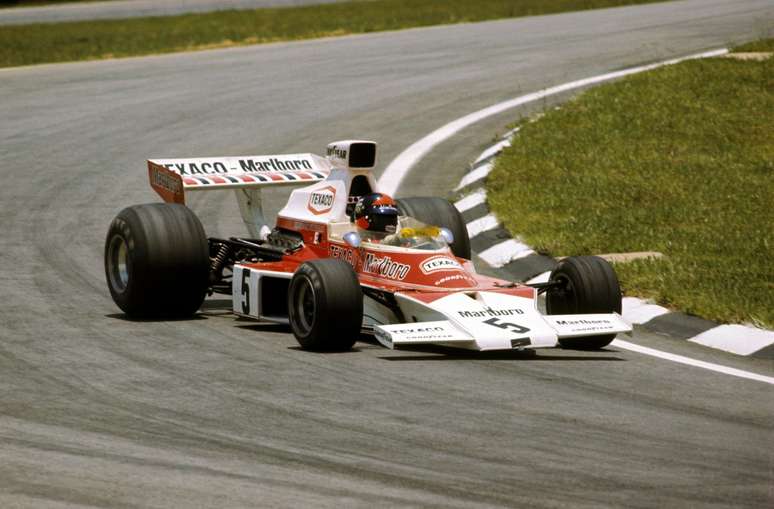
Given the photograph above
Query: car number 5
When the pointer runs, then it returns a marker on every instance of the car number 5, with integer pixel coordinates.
(495, 322)
(246, 291)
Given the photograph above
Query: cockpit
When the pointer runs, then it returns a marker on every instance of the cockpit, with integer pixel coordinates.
(410, 234)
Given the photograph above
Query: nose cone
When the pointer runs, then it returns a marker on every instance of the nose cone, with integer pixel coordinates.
(444, 271)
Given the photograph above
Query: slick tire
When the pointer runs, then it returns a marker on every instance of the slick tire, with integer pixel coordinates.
(588, 284)
(439, 212)
(157, 261)
(325, 305)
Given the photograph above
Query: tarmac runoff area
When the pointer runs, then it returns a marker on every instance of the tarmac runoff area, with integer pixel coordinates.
(495, 246)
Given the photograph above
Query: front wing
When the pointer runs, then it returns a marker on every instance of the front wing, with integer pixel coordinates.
(492, 321)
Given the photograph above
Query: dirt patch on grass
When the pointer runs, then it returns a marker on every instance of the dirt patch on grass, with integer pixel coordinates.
(757, 56)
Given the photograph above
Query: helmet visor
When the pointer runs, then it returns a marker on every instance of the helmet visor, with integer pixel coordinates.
(385, 219)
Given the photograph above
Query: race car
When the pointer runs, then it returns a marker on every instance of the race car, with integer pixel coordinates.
(343, 261)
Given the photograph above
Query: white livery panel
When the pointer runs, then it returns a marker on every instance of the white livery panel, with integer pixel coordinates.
(491, 321)
(572, 326)
(171, 178)
(440, 332)
(319, 203)
(260, 294)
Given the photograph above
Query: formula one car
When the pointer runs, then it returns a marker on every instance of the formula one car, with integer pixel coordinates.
(342, 261)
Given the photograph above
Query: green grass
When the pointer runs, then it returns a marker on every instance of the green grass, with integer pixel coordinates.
(38, 3)
(678, 160)
(763, 45)
(33, 44)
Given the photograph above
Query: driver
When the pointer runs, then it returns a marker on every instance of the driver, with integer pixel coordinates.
(377, 214)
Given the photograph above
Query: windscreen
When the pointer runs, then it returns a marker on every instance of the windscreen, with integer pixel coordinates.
(411, 233)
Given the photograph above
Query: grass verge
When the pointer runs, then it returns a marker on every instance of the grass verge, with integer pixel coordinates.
(88, 40)
(38, 3)
(763, 45)
(678, 160)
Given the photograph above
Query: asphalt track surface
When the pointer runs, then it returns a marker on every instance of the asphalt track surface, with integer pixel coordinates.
(117, 9)
(96, 410)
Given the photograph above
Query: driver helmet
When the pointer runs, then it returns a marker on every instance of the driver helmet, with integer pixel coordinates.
(376, 212)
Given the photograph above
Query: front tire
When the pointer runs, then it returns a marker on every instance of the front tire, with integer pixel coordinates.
(587, 284)
(325, 305)
(157, 261)
(439, 212)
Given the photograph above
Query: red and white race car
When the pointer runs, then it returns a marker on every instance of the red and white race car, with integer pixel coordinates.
(323, 270)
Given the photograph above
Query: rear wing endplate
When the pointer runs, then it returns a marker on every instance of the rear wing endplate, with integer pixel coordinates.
(172, 178)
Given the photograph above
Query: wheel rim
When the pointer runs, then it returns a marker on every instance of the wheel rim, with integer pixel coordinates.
(118, 263)
(565, 298)
(305, 305)
(567, 288)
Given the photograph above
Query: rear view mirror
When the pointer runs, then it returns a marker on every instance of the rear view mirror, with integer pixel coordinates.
(447, 235)
(352, 239)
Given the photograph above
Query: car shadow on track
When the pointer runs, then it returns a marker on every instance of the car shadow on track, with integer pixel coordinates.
(442, 353)
(252, 325)
(323, 352)
(210, 307)
(216, 307)
(125, 318)
(448, 353)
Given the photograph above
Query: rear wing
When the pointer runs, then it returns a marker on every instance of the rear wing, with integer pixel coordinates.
(172, 178)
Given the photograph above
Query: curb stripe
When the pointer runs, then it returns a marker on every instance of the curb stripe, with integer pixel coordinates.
(528, 267)
(493, 150)
(766, 352)
(489, 238)
(505, 252)
(679, 325)
(476, 175)
(726, 337)
(476, 212)
(480, 225)
(477, 197)
(638, 311)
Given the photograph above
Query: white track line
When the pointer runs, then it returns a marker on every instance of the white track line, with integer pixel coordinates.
(625, 345)
(397, 170)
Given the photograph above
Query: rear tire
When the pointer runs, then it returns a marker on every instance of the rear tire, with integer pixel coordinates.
(157, 261)
(325, 305)
(589, 285)
(439, 212)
